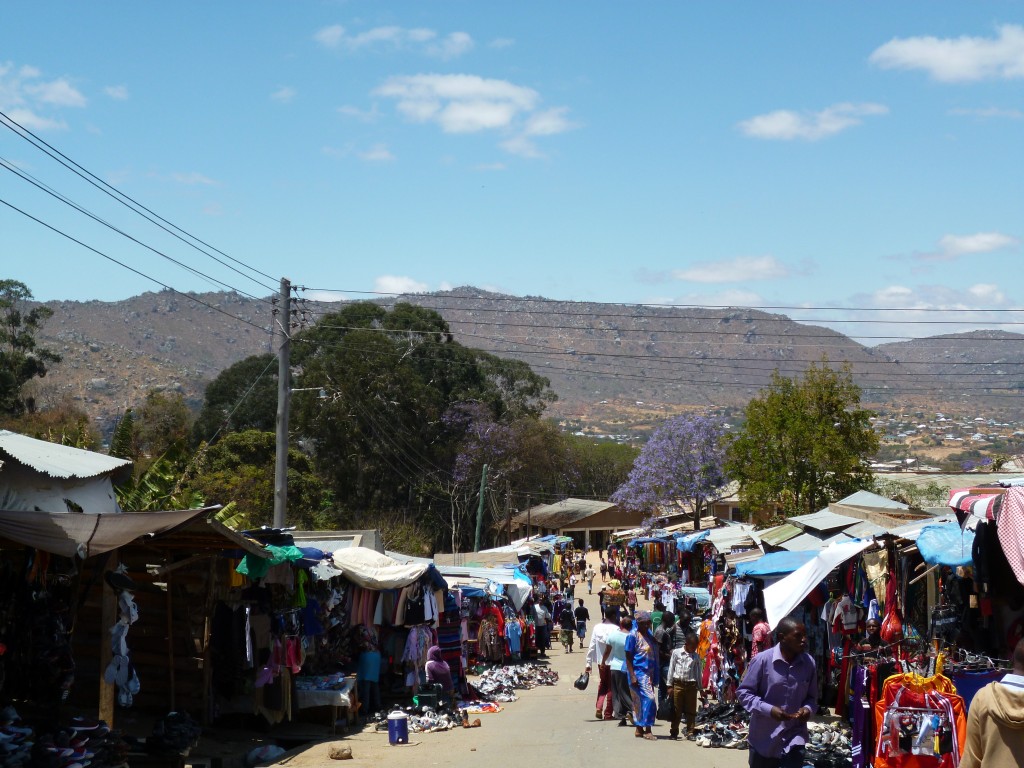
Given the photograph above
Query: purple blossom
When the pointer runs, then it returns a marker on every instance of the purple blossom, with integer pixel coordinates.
(683, 461)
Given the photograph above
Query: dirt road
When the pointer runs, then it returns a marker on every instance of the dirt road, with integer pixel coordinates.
(548, 725)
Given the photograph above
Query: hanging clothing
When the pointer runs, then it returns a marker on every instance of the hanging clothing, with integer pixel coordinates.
(921, 722)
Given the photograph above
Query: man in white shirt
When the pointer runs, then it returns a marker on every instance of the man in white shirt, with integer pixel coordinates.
(596, 655)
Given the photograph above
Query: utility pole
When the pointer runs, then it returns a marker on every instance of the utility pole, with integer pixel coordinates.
(508, 513)
(282, 334)
(480, 509)
(528, 533)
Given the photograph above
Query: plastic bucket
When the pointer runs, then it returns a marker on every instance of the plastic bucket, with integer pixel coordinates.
(398, 728)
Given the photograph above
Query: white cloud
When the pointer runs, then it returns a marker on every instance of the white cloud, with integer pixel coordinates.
(471, 104)
(452, 46)
(960, 59)
(502, 42)
(377, 153)
(427, 41)
(284, 94)
(739, 270)
(988, 112)
(363, 115)
(952, 247)
(399, 284)
(330, 37)
(116, 92)
(59, 93)
(31, 100)
(786, 124)
(193, 178)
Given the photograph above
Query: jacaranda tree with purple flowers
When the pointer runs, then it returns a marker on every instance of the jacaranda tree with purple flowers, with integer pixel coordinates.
(682, 462)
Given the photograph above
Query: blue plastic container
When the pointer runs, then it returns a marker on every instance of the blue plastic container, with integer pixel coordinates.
(398, 728)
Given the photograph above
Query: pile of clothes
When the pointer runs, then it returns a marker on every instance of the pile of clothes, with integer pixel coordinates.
(498, 683)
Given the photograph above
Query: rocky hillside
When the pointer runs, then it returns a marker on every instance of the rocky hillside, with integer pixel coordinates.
(617, 366)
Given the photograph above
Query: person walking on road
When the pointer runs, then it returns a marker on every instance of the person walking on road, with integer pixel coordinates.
(631, 601)
(615, 656)
(598, 652)
(780, 691)
(995, 721)
(604, 571)
(542, 620)
(589, 575)
(642, 667)
(582, 616)
(684, 676)
(567, 624)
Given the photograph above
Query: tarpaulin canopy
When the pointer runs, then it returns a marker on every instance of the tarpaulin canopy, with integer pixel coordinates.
(71, 533)
(775, 563)
(786, 594)
(688, 542)
(946, 544)
(648, 540)
(372, 570)
(975, 501)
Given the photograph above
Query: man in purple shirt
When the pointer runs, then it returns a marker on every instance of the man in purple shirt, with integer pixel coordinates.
(780, 691)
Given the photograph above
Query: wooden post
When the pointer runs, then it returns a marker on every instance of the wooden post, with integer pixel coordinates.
(170, 642)
(108, 615)
(207, 621)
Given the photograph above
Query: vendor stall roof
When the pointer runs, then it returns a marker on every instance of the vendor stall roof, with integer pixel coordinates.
(774, 563)
(911, 531)
(404, 558)
(872, 501)
(810, 542)
(328, 541)
(373, 570)
(779, 534)
(688, 542)
(729, 536)
(824, 520)
(734, 558)
(562, 513)
(475, 559)
(946, 544)
(60, 461)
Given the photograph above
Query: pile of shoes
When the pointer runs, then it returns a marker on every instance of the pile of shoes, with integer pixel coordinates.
(430, 721)
(829, 746)
(498, 683)
(86, 742)
(722, 725)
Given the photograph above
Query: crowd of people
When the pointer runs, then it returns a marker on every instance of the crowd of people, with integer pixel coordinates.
(643, 658)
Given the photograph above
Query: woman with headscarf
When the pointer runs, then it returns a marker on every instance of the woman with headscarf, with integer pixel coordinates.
(642, 669)
(438, 671)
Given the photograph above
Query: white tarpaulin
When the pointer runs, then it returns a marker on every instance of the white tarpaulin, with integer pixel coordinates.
(369, 568)
(786, 594)
(71, 533)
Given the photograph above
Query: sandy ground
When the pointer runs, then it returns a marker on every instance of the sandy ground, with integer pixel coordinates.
(553, 723)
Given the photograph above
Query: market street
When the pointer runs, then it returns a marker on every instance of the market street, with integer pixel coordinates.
(557, 720)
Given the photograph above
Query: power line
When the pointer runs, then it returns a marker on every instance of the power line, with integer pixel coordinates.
(129, 268)
(67, 201)
(541, 300)
(561, 351)
(19, 130)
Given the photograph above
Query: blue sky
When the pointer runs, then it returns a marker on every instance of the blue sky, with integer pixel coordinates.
(856, 155)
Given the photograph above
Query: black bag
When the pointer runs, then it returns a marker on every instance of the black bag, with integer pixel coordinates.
(582, 681)
(665, 708)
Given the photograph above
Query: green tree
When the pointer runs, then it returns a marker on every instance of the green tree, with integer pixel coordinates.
(805, 443)
(239, 468)
(242, 397)
(122, 443)
(163, 423)
(21, 360)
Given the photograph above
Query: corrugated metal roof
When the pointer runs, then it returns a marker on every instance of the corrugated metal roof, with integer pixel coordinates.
(869, 499)
(825, 520)
(59, 461)
(865, 529)
(563, 513)
(780, 533)
(742, 557)
(912, 530)
(729, 536)
(808, 541)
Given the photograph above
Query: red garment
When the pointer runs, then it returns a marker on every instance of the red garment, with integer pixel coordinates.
(761, 638)
(915, 692)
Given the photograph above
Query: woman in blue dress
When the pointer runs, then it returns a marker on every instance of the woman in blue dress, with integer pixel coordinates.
(642, 668)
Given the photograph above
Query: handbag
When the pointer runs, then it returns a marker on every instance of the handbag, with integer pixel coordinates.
(666, 707)
(582, 681)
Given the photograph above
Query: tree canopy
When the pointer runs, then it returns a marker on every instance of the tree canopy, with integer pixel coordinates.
(804, 443)
(683, 461)
(21, 359)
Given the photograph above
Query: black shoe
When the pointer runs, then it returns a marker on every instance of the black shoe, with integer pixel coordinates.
(120, 582)
(622, 723)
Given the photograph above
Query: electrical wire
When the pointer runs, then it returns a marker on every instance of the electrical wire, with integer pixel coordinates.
(19, 130)
(541, 300)
(60, 232)
(67, 201)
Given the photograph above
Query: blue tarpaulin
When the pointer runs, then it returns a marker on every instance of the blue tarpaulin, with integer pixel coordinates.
(775, 563)
(946, 544)
(685, 543)
(647, 540)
